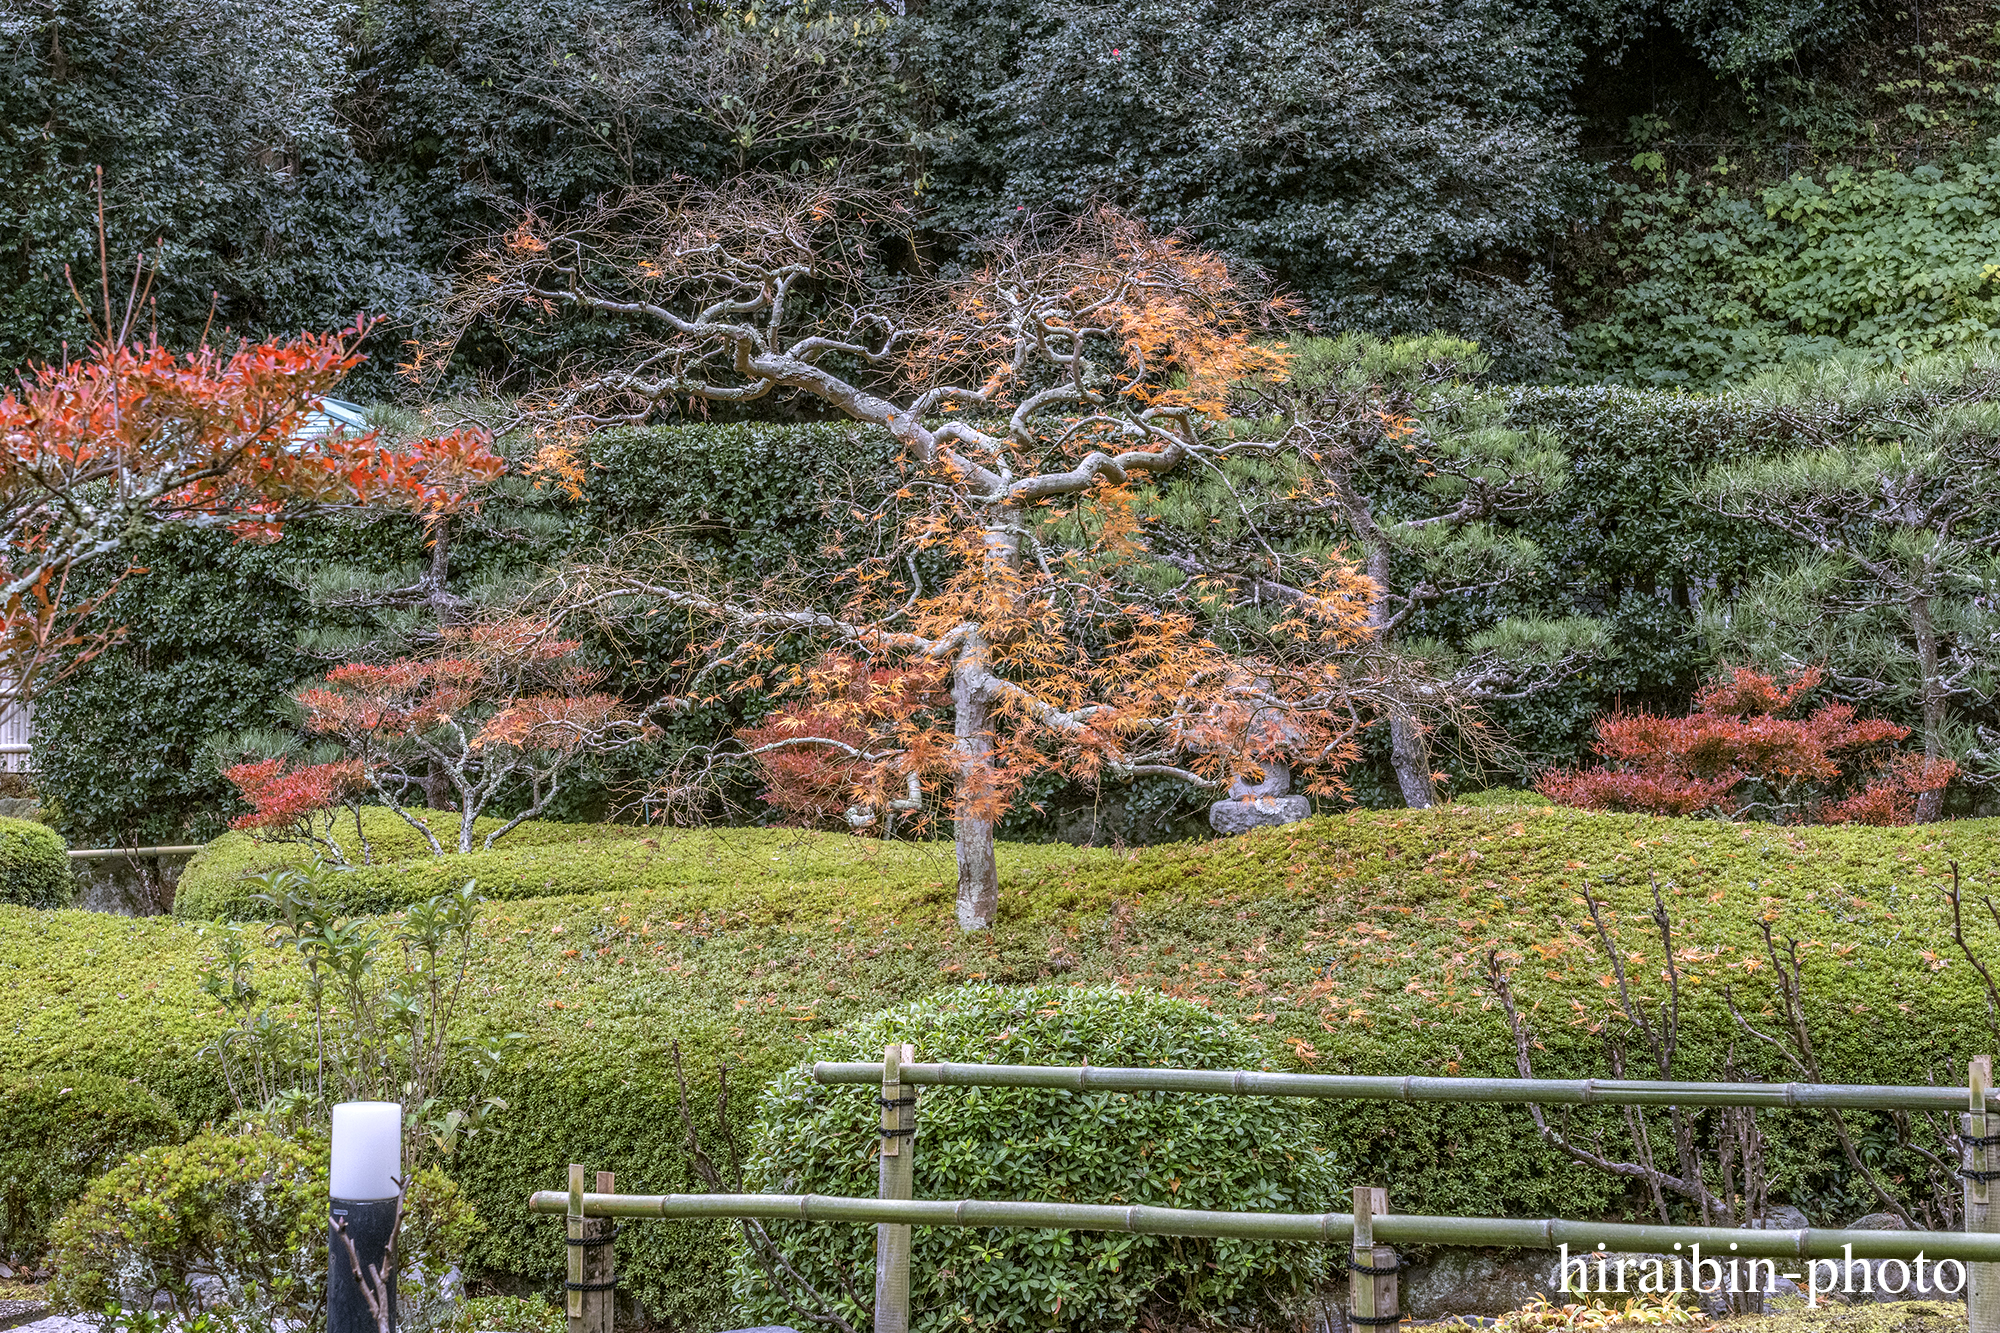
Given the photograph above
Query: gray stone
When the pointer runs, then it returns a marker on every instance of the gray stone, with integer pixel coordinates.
(1876, 1222)
(1460, 1281)
(1240, 816)
(1277, 781)
(1868, 1279)
(1780, 1217)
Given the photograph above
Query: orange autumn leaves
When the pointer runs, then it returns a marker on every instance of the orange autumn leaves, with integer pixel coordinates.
(1095, 684)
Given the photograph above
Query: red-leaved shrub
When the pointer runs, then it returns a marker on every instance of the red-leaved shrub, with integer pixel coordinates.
(1738, 756)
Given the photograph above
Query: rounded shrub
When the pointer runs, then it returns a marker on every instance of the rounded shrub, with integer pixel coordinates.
(1235, 1153)
(234, 1226)
(59, 1132)
(34, 865)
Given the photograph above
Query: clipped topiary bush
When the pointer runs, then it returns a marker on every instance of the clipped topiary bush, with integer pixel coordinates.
(234, 1226)
(59, 1132)
(1236, 1153)
(34, 865)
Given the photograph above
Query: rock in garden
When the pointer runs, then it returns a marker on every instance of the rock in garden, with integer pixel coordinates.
(1230, 817)
(1258, 805)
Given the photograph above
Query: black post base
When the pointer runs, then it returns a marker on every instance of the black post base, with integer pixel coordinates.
(368, 1224)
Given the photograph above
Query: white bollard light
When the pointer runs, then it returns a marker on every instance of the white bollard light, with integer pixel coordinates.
(365, 1181)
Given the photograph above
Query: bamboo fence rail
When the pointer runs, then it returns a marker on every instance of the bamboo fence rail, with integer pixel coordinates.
(1412, 1088)
(1321, 1228)
(1370, 1231)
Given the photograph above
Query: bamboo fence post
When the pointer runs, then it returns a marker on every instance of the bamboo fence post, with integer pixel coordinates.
(1371, 1268)
(600, 1266)
(591, 1274)
(573, 1269)
(897, 1181)
(1982, 1305)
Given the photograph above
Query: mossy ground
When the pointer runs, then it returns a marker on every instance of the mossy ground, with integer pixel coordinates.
(1896, 1317)
(1351, 943)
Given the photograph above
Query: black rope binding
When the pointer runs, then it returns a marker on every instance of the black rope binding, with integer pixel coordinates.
(1374, 1320)
(910, 1100)
(900, 1133)
(592, 1241)
(1375, 1270)
(605, 1285)
(1979, 1175)
(1983, 1141)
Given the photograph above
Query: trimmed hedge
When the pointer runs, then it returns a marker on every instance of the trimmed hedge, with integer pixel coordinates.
(58, 1132)
(1224, 1153)
(34, 865)
(794, 868)
(1350, 943)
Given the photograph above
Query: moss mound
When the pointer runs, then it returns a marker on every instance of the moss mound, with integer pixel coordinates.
(1348, 944)
(1890, 1317)
(790, 870)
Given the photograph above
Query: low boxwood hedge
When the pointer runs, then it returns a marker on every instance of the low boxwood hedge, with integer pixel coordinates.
(1207, 1152)
(1349, 943)
(792, 869)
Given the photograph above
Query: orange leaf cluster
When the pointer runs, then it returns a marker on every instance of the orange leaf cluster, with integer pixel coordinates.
(283, 797)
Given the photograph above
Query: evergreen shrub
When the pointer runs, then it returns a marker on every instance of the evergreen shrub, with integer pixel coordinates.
(1245, 1154)
(234, 1226)
(34, 865)
(59, 1131)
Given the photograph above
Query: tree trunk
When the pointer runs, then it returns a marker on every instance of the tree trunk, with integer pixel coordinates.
(1408, 755)
(1930, 804)
(1411, 759)
(438, 791)
(978, 871)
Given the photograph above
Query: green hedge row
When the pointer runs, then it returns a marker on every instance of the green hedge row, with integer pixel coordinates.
(795, 871)
(1348, 943)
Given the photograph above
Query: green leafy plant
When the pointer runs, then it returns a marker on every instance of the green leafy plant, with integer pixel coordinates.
(1186, 1152)
(58, 1132)
(507, 1314)
(1716, 284)
(382, 1022)
(233, 1226)
(34, 865)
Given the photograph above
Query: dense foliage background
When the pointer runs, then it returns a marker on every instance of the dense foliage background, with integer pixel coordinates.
(1633, 206)
(1669, 191)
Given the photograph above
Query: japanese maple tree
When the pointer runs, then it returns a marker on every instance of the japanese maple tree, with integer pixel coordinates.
(98, 452)
(504, 707)
(1031, 398)
(1747, 752)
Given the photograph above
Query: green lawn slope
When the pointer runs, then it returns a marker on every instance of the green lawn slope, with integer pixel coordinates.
(1350, 943)
(780, 871)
